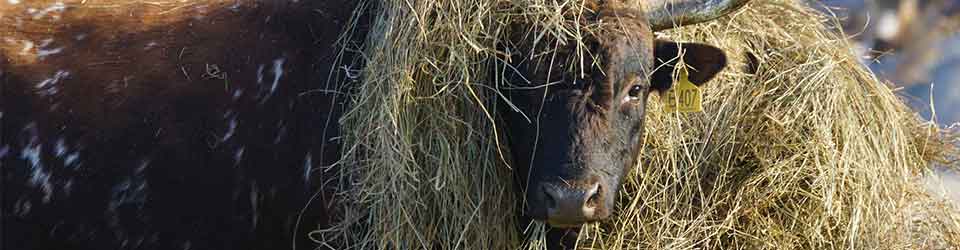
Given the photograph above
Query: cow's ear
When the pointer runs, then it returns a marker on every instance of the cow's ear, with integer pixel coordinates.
(703, 63)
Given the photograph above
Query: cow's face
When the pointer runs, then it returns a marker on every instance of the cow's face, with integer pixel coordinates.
(579, 133)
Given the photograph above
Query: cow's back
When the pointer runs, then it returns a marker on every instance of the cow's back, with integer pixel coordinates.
(167, 124)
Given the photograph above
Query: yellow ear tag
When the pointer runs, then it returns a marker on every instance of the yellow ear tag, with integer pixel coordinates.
(683, 96)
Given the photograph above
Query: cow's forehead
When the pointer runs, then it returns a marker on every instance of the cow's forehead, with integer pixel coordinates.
(618, 39)
(627, 43)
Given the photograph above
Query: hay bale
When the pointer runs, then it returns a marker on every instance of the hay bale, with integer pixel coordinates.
(811, 151)
(421, 166)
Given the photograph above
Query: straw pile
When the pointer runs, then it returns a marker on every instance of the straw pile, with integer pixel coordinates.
(809, 152)
(421, 166)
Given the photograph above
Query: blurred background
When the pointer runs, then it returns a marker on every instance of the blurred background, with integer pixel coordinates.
(915, 45)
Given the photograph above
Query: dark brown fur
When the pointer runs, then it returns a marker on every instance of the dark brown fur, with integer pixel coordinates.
(163, 128)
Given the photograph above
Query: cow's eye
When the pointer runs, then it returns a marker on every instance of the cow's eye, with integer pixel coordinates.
(635, 91)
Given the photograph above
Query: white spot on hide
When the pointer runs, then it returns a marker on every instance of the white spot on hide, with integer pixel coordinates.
(132, 190)
(49, 85)
(277, 73)
(238, 155)
(53, 10)
(237, 94)
(60, 147)
(71, 159)
(231, 125)
(231, 128)
(39, 175)
(260, 74)
(60, 75)
(307, 166)
(41, 53)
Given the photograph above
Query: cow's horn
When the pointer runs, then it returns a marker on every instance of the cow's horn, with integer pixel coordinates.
(666, 14)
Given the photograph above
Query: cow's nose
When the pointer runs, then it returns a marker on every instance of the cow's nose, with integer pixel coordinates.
(569, 206)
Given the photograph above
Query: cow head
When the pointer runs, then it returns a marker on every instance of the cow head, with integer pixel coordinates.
(574, 135)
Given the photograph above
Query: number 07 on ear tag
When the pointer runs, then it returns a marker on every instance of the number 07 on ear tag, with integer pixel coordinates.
(683, 97)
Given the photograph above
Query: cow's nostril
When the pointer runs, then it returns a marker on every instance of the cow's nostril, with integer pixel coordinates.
(594, 195)
(571, 204)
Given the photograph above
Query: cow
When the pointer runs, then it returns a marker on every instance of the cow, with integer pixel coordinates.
(213, 124)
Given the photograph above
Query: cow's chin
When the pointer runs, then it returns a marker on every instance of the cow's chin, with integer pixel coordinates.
(562, 225)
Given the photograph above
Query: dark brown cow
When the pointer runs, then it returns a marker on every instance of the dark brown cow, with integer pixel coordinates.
(202, 124)
(175, 125)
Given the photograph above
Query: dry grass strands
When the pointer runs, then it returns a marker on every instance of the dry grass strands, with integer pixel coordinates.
(809, 152)
(421, 167)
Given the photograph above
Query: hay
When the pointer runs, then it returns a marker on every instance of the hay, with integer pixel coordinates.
(810, 152)
(421, 167)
